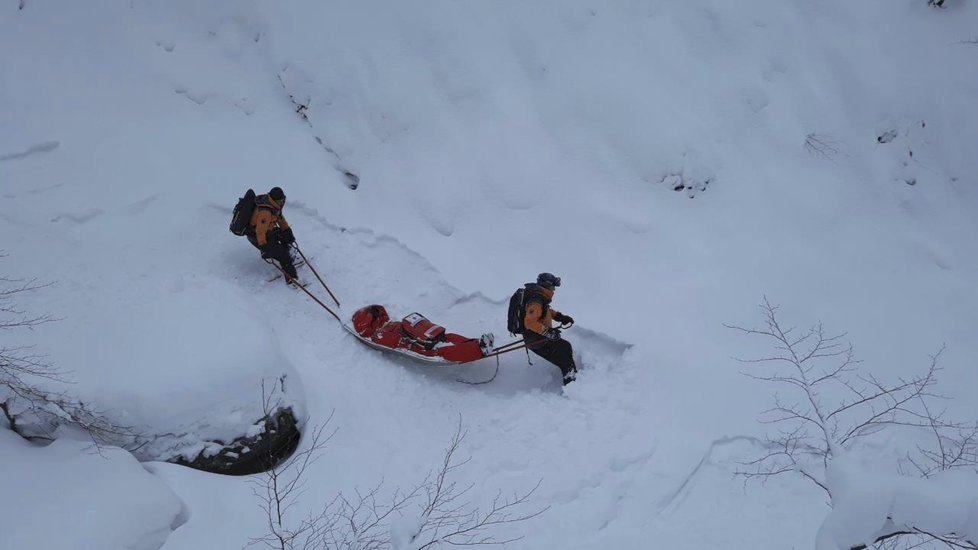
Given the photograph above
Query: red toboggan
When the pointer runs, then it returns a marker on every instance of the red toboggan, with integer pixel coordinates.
(417, 337)
(413, 336)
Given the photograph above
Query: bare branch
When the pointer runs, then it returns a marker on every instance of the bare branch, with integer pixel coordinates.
(812, 433)
(362, 522)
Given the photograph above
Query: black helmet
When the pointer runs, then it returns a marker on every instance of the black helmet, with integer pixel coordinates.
(277, 195)
(548, 280)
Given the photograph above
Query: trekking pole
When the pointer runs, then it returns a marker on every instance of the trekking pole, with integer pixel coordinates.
(501, 348)
(316, 273)
(512, 347)
(306, 290)
(520, 344)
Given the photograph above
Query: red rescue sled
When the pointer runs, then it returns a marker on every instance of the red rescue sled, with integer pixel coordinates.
(416, 337)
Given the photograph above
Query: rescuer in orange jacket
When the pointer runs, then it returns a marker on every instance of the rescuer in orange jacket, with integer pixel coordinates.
(541, 337)
(270, 233)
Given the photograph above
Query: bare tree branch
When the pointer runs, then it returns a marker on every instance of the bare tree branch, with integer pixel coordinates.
(811, 432)
(363, 521)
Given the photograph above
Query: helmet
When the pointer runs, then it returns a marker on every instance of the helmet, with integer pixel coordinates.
(277, 195)
(548, 280)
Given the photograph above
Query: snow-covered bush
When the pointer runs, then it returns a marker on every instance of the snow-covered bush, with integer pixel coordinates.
(31, 410)
(829, 408)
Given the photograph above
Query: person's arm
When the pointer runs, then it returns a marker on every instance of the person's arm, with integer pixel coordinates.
(287, 236)
(563, 319)
(531, 319)
(263, 222)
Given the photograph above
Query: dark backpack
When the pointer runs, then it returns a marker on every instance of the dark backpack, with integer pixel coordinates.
(517, 309)
(241, 218)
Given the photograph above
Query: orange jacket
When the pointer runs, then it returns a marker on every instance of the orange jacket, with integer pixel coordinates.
(268, 214)
(535, 319)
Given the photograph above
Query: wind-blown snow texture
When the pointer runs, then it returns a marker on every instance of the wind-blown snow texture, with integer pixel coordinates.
(494, 140)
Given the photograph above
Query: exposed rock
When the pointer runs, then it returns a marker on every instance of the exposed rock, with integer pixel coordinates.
(277, 440)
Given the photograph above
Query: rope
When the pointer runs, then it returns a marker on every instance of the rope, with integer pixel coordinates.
(491, 378)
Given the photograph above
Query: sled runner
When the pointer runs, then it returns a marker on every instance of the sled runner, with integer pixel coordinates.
(416, 337)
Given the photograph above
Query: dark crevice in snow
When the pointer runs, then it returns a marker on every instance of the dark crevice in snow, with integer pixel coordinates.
(301, 107)
(679, 183)
(44, 147)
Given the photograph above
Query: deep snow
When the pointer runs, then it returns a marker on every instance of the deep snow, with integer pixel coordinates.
(493, 141)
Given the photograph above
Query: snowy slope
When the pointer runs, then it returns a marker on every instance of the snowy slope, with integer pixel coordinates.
(493, 141)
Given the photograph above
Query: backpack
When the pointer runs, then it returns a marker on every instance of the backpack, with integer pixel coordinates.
(421, 331)
(241, 217)
(517, 310)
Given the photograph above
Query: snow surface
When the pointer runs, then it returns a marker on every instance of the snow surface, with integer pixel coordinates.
(867, 503)
(71, 495)
(493, 141)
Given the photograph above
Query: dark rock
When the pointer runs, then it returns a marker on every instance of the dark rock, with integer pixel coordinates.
(352, 180)
(251, 455)
(886, 137)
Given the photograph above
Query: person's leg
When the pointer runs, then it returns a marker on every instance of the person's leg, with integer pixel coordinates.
(279, 251)
(559, 352)
(564, 358)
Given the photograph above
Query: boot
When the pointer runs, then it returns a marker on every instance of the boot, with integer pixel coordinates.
(570, 376)
(486, 343)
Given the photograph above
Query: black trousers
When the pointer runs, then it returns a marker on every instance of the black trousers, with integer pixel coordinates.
(559, 352)
(276, 249)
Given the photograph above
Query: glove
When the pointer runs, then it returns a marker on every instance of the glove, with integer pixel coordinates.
(552, 334)
(287, 236)
(564, 319)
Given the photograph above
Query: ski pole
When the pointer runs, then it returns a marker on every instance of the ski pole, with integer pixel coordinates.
(316, 273)
(306, 290)
(520, 344)
(500, 348)
(512, 347)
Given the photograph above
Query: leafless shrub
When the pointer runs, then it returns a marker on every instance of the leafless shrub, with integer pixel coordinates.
(446, 519)
(819, 145)
(917, 538)
(442, 516)
(831, 404)
(905, 541)
(279, 490)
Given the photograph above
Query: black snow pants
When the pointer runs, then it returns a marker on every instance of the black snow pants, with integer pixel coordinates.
(276, 249)
(559, 352)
